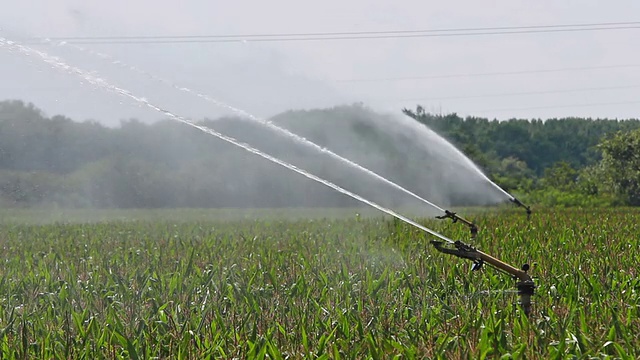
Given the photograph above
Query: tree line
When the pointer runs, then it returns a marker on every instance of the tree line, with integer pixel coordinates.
(55, 160)
(568, 161)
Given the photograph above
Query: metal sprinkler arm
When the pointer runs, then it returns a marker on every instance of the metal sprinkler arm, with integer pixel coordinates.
(525, 285)
(519, 203)
(455, 217)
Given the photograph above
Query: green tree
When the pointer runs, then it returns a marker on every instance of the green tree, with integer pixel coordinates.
(538, 143)
(513, 174)
(621, 164)
(560, 176)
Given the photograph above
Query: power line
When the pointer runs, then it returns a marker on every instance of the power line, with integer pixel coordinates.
(541, 92)
(557, 106)
(361, 35)
(524, 93)
(328, 38)
(497, 73)
(628, 23)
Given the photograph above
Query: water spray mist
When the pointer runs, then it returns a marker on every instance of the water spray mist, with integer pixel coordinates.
(525, 285)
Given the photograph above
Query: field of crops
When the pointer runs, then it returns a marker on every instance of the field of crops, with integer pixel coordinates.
(350, 288)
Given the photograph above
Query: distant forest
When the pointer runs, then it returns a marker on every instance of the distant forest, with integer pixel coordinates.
(566, 162)
(58, 161)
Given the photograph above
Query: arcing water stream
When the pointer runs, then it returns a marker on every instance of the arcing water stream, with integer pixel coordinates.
(418, 128)
(267, 123)
(59, 64)
(448, 147)
(525, 285)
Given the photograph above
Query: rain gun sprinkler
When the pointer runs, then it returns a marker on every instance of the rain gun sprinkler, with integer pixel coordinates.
(525, 284)
(455, 217)
(517, 202)
(473, 227)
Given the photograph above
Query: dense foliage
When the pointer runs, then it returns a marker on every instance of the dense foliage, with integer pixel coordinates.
(621, 163)
(355, 288)
(71, 164)
(539, 144)
(60, 161)
(568, 162)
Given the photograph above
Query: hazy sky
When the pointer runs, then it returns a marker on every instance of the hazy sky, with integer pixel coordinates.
(265, 78)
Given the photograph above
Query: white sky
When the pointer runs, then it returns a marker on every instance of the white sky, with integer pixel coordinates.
(267, 78)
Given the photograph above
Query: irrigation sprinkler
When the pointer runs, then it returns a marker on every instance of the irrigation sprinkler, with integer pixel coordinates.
(525, 285)
(519, 203)
(455, 218)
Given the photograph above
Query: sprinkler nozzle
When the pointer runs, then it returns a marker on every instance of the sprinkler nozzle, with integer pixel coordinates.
(455, 217)
(525, 285)
(519, 203)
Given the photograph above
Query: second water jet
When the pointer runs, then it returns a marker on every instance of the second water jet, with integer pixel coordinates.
(454, 156)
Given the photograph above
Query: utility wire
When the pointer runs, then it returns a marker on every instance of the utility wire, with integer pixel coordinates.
(557, 106)
(497, 73)
(359, 35)
(524, 93)
(343, 33)
(541, 92)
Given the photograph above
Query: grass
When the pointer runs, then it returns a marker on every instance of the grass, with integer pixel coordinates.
(331, 288)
